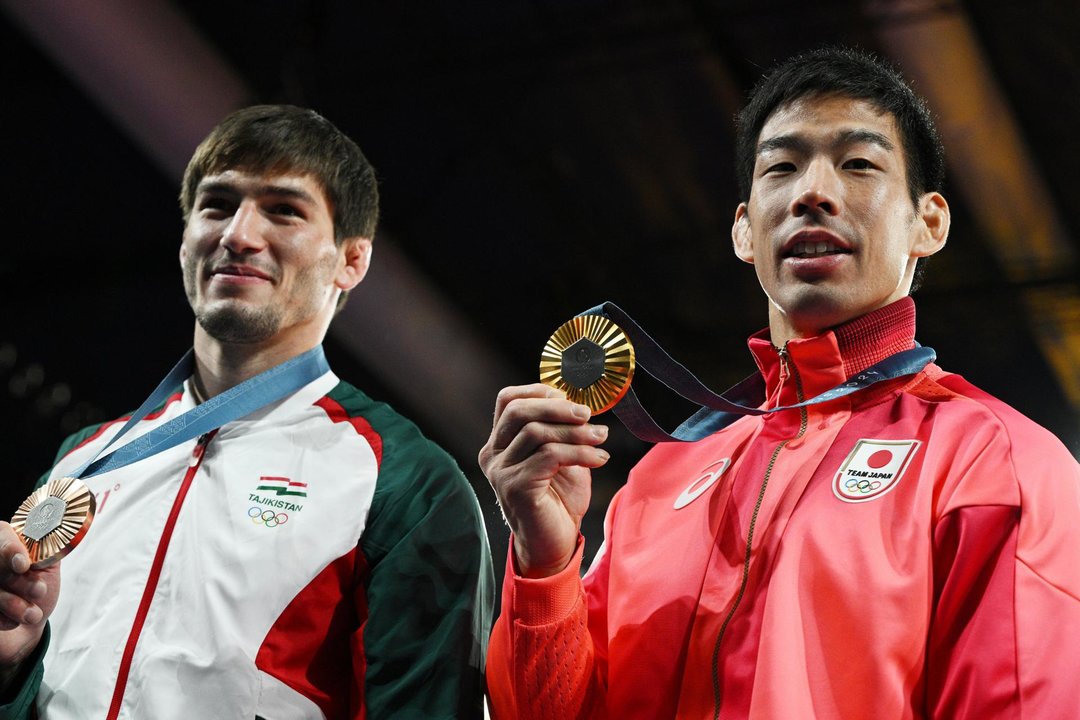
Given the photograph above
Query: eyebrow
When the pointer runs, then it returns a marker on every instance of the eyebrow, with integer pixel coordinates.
(800, 144)
(227, 188)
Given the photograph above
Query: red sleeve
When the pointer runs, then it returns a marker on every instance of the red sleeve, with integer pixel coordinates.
(1003, 638)
(542, 659)
(971, 651)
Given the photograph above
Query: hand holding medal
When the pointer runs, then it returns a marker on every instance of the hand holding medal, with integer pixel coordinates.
(54, 519)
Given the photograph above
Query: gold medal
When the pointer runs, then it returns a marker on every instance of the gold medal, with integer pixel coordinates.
(591, 359)
(54, 519)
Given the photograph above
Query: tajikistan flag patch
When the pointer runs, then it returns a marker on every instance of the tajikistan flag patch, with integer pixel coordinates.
(281, 486)
(873, 468)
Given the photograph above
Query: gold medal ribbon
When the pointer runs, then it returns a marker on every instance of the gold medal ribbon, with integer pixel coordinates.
(592, 359)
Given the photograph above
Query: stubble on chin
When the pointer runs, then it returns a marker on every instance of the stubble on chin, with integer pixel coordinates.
(229, 323)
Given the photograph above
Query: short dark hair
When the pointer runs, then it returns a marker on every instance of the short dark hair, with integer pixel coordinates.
(288, 139)
(850, 73)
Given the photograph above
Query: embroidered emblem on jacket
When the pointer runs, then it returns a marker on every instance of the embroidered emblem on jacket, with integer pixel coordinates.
(873, 468)
(709, 475)
(281, 486)
(273, 494)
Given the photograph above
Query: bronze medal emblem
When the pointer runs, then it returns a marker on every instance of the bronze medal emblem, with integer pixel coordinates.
(54, 519)
(591, 359)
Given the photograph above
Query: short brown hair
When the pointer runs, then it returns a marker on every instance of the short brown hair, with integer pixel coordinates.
(290, 139)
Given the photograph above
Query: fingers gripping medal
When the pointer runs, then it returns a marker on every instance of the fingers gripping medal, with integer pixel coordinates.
(591, 359)
(54, 519)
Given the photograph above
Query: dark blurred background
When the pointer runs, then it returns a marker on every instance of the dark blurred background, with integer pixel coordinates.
(535, 159)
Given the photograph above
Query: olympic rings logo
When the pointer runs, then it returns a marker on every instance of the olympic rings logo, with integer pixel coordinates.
(267, 517)
(861, 485)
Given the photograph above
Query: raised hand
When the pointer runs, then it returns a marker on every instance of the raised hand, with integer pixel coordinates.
(538, 461)
(27, 598)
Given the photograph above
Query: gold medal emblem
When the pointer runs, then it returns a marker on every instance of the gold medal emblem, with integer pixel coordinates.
(54, 519)
(591, 359)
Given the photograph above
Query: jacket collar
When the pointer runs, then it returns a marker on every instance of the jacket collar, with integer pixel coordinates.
(824, 361)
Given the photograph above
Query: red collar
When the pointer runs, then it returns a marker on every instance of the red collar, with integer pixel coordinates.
(824, 361)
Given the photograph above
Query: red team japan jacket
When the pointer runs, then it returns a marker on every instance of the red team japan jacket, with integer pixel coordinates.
(908, 551)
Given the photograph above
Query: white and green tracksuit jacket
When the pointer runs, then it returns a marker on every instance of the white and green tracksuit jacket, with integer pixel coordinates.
(319, 558)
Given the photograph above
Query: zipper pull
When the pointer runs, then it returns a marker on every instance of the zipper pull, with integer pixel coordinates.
(785, 362)
(200, 448)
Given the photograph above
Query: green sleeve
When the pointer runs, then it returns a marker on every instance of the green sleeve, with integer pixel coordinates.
(19, 700)
(430, 589)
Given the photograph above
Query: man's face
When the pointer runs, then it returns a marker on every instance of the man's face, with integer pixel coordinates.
(259, 256)
(830, 225)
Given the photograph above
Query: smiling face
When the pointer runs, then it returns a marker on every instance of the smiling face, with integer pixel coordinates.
(260, 262)
(830, 225)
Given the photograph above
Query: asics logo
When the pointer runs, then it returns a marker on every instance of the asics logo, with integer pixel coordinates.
(709, 475)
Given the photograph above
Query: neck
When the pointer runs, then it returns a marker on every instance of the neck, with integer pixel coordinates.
(220, 365)
(784, 327)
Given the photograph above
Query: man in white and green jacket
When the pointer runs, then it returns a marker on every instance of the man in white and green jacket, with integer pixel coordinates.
(316, 558)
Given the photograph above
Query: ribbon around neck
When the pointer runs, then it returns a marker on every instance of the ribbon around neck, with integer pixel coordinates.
(254, 393)
(716, 412)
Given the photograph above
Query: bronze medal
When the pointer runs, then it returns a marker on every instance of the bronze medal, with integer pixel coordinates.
(591, 359)
(54, 519)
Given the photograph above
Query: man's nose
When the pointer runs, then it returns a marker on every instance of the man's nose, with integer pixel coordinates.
(818, 190)
(243, 234)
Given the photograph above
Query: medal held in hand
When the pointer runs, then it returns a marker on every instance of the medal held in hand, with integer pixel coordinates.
(591, 359)
(54, 519)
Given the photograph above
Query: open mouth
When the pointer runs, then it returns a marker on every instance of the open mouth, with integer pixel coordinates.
(812, 249)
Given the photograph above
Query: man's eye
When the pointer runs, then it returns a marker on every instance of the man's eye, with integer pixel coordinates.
(780, 167)
(285, 209)
(858, 164)
(214, 204)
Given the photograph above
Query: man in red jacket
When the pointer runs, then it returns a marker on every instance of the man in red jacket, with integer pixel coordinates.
(909, 550)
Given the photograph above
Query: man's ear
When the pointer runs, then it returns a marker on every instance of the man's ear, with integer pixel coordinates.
(356, 257)
(932, 228)
(742, 236)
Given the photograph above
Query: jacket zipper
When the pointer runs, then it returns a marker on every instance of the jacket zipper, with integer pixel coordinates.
(787, 369)
(155, 574)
